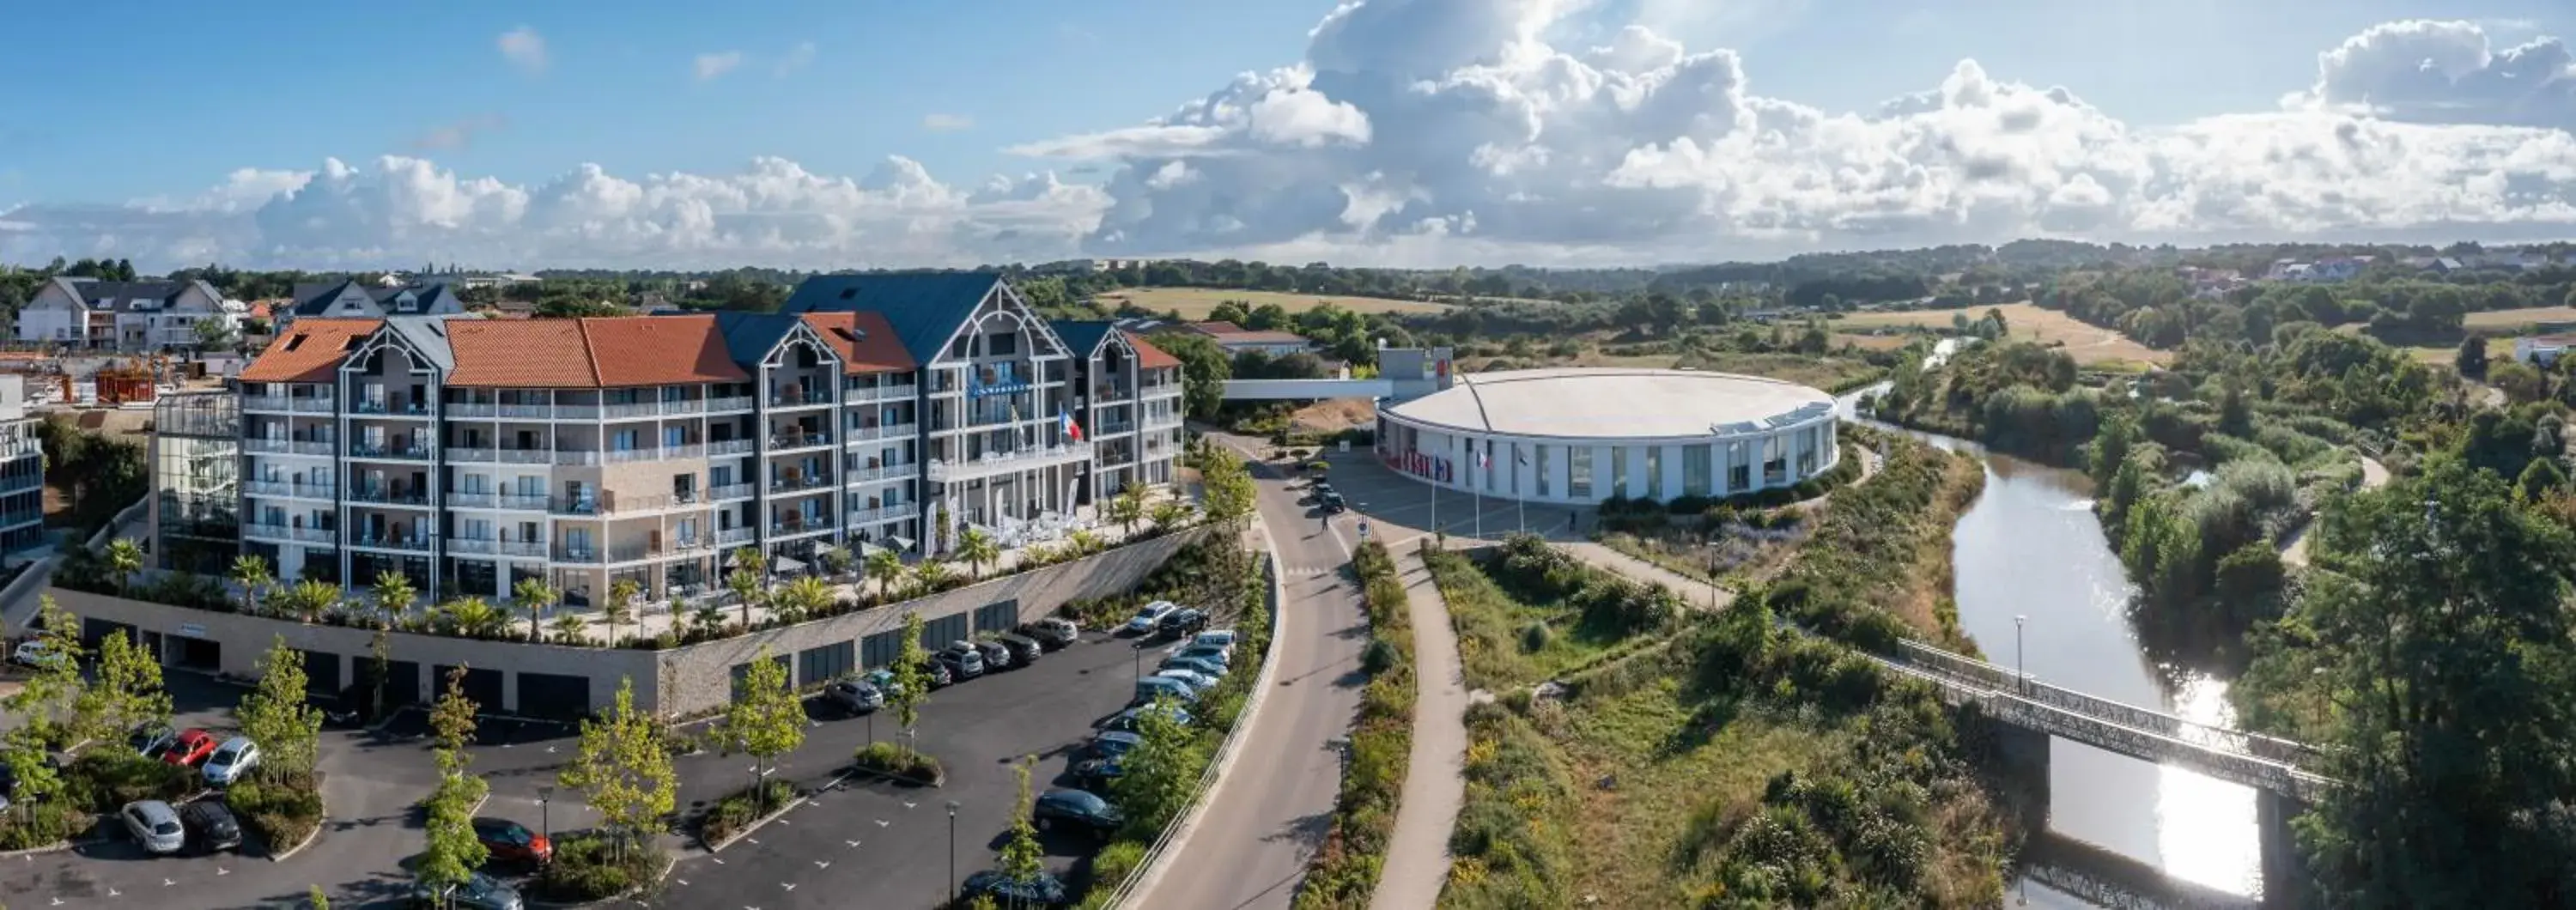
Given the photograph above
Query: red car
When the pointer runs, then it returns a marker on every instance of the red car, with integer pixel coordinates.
(510, 842)
(190, 749)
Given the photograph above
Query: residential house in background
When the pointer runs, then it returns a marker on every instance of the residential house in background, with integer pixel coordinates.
(121, 315)
(354, 299)
(1235, 339)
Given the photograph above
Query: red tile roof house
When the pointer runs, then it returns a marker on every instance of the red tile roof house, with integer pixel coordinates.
(466, 453)
(1235, 339)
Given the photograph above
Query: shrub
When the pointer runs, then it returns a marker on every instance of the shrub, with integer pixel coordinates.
(43, 824)
(281, 814)
(104, 780)
(737, 810)
(888, 758)
(589, 867)
(1378, 657)
(1534, 637)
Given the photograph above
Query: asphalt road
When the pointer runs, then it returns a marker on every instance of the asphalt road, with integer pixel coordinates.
(1272, 810)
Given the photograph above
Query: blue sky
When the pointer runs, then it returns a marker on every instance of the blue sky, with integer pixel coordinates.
(193, 95)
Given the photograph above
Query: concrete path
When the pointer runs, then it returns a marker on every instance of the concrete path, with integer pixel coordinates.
(1435, 785)
(2295, 554)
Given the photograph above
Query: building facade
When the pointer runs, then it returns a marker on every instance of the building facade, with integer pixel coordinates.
(469, 454)
(196, 481)
(121, 315)
(22, 470)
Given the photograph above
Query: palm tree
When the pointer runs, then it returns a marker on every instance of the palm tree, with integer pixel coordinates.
(309, 599)
(1084, 543)
(802, 598)
(124, 558)
(472, 617)
(931, 575)
(393, 597)
(749, 566)
(886, 568)
(1126, 507)
(708, 618)
(1169, 513)
(619, 608)
(977, 549)
(535, 596)
(568, 628)
(251, 573)
(836, 561)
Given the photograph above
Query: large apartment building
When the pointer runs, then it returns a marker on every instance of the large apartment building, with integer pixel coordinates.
(468, 454)
(22, 470)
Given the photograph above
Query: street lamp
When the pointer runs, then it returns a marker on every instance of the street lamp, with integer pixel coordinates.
(546, 813)
(952, 850)
(2021, 677)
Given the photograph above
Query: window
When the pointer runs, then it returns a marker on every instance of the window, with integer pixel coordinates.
(1539, 464)
(1578, 463)
(1654, 472)
(1739, 474)
(1619, 472)
(624, 441)
(1002, 343)
(1695, 470)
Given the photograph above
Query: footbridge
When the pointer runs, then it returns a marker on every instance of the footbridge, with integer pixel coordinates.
(2262, 762)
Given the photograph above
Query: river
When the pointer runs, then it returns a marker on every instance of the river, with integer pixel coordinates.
(2037, 583)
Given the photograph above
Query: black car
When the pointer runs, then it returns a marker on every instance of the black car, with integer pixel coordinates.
(1024, 650)
(1332, 503)
(1182, 622)
(210, 826)
(1054, 632)
(938, 673)
(997, 657)
(1075, 809)
(1043, 891)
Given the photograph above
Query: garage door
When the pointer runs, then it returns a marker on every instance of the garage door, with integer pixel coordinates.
(937, 633)
(94, 631)
(554, 696)
(482, 686)
(997, 617)
(742, 671)
(401, 679)
(321, 672)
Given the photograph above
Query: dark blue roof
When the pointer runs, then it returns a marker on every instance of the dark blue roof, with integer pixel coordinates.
(749, 337)
(1083, 337)
(925, 308)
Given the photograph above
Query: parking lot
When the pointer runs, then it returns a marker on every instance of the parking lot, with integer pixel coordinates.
(892, 841)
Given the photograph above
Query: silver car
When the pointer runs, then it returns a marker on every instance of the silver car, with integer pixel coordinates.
(154, 825)
(235, 756)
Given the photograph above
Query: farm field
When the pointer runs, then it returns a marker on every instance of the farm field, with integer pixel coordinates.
(2089, 346)
(1195, 303)
(2515, 319)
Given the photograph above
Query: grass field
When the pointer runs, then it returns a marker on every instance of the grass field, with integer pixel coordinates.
(2511, 319)
(2088, 345)
(1195, 303)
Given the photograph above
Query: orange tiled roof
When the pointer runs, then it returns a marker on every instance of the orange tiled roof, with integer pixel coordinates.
(602, 352)
(865, 341)
(310, 350)
(1149, 356)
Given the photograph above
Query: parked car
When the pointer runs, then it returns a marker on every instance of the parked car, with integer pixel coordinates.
(1150, 616)
(963, 660)
(1043, 891)
(1099, 772)
(1219, 655)
(1194, 665)
(855, 696)
(1126, 721)
(940, 678)
(1153, 687)
(154, 825)
(1223, 638)
(1195, 679)
(1331, 503)
(1024, 650)
(210, 826)
(1076, 809)
(510, 842)
(482, 892)
(235, 756)
(190, 748)
(1182, 622)
(997, 657)
(150, 738)
(1110, 745)
(1054, 632)
(34, 653)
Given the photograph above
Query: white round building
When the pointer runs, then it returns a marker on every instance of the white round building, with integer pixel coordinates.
(1584, 435)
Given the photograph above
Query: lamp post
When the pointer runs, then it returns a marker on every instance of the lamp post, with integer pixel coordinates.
(2021, 677)
(1712, 583)
(952, 850)
(546, 813)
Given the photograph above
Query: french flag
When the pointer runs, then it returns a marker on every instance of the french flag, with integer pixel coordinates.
(1065, 424)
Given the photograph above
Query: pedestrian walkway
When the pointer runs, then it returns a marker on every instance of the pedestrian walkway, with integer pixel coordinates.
(1692, 591)
(1435, 784)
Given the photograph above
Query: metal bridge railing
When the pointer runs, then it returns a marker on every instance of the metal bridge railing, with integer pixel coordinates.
(2268, 748)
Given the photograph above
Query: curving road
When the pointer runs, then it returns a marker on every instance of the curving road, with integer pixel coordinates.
(1269, 813)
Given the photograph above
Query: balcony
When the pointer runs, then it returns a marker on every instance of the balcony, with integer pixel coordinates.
(856, 435)
(857, 476)
(732, 491)
(403, 544)
(390, 496)
(398, 408)
(473, 409)
(903, 392)
(634, 552)
(791, 442)
(460, 454)
(524, 549)
(587, 505)
(730, 447)
(293, 489)
(272, 403)
(729, 537)
(390, 452)
(475, 499)
(1162, 390)
(1108, 428)
(729, 405)
(519, 502)
(576, 412)
(526, 411)
(320, 448)
(1004, 462)
(684, 407)
(1112, 393)
(584, 555)
(576, 459)
(289, 533)
(631, 456)
(802, 526)
(481, 546)
(796, 483)
(887, 513)
(525, 456)
(632, 410)
(1162, 421)
(797, 397)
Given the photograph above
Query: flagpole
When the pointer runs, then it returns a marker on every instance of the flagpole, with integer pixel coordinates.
(1475, 484)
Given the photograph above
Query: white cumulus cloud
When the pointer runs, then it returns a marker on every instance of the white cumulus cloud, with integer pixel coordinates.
(1433, 132)
(525, 49)
(709, 66)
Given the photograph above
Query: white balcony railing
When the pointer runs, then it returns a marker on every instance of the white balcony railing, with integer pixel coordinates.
(872, 516)
(730, 447)
(526, 456)
(633, 410)
(259, 531)
(472, 409)
(724, 405)
(902, 392)
(732, 491)
(857, 476)
(1004, 462)
(455, 454)
(526, 549)
(475, 545)
(572, 459)
(733, 536)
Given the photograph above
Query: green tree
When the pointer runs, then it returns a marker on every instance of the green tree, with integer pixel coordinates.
(803, 598)
(749, 569)
(380, 646)
(473, 617)
(568, 627)
(536, 597)
(977, 549)
(2472, 358)
(885, 567)
(932, 575)
(1160, 772)
(940, 520)
(316, 900)
(124, 559)
(766, 720)
(452, 725)
(216, 335)
(619, 608)
(1204, 370)
(1169, 513)
(1023, 858)
(836, 561)
(127, 690)
(55, 686)
(2443, 641)
(624, 769)
(1127, 508)
(277, 716)
(252, 574)
(1228, 485)
(453, 852)
(310, 598)
(393, 595)
(911, 674)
